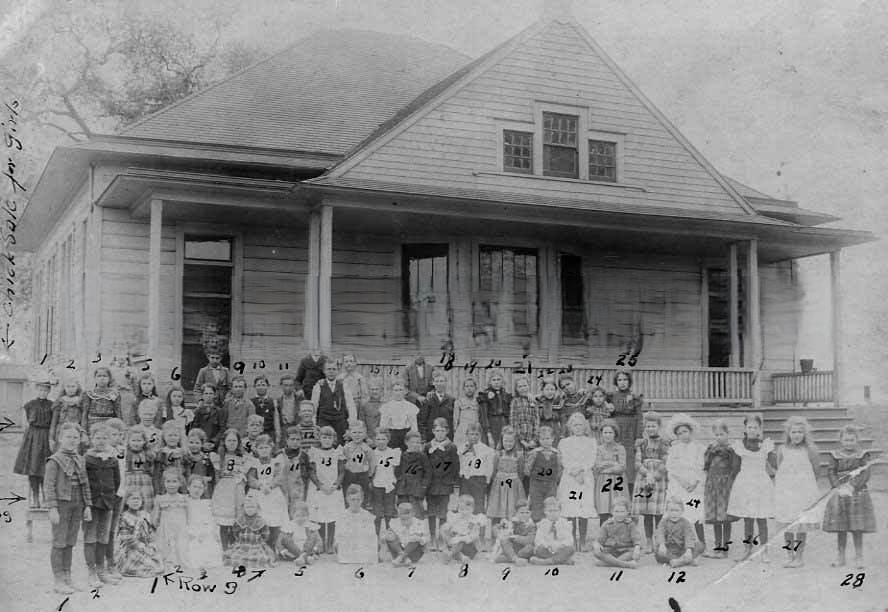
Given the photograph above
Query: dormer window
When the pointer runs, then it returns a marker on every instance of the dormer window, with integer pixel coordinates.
(602, 160)
(518, 151)
(560, 145)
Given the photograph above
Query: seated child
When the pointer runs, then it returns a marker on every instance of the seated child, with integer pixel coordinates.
(203, 548)
(619, 541)
(300, 539)
(136, 553)
(356, 533)
(406, 536)
(250, 539)
(461, 532)
(675, 539)
(514, 543)
(553, 544)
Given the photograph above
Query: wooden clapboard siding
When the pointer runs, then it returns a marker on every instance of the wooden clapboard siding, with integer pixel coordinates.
(460, 137)
(781, 301)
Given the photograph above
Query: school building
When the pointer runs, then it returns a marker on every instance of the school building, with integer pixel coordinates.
(375, 193)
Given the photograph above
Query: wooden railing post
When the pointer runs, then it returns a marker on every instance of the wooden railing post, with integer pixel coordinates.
(755, 324)
(836, 298)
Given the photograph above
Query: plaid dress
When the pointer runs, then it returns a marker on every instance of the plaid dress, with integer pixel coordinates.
(525, 418)
(250, 547)
(651, 478)
(139, 476)
(850, 508)
(135, 552)
(99, 406)
(721, 465)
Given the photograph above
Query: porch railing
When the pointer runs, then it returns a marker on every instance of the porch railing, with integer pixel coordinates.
(799, 388)
(708, 385)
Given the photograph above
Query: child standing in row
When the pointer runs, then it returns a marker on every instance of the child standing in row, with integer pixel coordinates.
(68, 408)
(197, 462)
(232, 469)
(171, 518)
(507, 488)
(103, 402)
(627, 412)
(523, 415)
(651, 477)
(721, 465)
(598, 410)
(139, 472)
(444, 459)
(35, 448)
(494, 402)
(358, 457)
(438, 404)
(326, 467)
(263, 406)
(236, 408)
(294, 469)
(103, 473)
(176, 411)
(544, 468)
(398, 416)
(370, 410)
(752, 496)
(466, 412)
(684, 465)
(354, 382)
(549, 407)
(287, 407)
(266, 487)
(215, 374)
(386, 462)
(610, 464)
(576, 491)
(476, 467)
(147, 411)
(416, 474)
(203, 546)
(171, 455)
(208, 418)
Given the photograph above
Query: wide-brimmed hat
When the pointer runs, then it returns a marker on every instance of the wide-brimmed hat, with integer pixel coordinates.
(682, 419)
(40, 377)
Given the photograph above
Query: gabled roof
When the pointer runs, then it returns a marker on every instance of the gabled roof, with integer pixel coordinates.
(786, 210)
(323, 94)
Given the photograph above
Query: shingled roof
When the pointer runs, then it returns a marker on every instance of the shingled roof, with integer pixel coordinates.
(323, 94)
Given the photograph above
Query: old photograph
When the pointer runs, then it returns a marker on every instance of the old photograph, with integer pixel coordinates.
(443, 305)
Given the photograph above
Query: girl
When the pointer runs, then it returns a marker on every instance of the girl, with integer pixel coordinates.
(171, 518)
(175, 410)
(573, 399)
(267, 488)
(68, 499)
(524, 416)
(721, 464)
(684, 464)
(325, 471)
(507, 489)
(549, 407)
(354, 381)
(35, 448)
(650, 466)
(139, 467)
(544, 468)
(610, 464)
(103, 473)
(171, 455)
(796, 464)
(576, 492)
(628, 409)
(197, 461)
(146, 388)
(398, 416)
(208, 418)
(444, 460)
(203, 549)
(356, 538)
(232, 469)
(254, 430)
(147, 412)
(597, 411)
(249, 545)
(137, 555)
(494, 403)
(102, 403)
(752, 496)
(850, 507)
(467, 412)
(68, 408)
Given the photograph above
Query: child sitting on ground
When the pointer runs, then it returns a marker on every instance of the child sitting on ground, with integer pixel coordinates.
(619, 541)
(406, 536)
(516, 537)
(461, 533)
(554, 543)
(675, 539)
(300, 538)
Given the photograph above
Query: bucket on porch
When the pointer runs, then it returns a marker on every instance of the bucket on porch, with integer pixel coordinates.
(807, 365)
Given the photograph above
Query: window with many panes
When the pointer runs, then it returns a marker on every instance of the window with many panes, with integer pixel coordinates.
(602, 160)
(560, 145)
(506, 305)
(425, 294)
(518, 151)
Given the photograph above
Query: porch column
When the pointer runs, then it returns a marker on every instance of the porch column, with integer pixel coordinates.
(154, 242)
(734, 306)
(325, 277)
(755, 323)
(310, 314)
(837, 336)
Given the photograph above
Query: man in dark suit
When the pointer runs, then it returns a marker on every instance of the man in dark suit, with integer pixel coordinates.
(418, 378)
(437, 404)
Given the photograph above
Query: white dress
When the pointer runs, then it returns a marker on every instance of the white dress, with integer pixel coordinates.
(203, 550)
(577, 498)
(356, 538)
(797, 488)
(325, 507)
(272, 505)
(686, 462)
(752, 495)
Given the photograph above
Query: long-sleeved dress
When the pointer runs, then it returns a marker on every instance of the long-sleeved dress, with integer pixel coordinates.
(34, 451)
(228, 493)
(721, 464)
(465, 413)
(507, 486)
(136, 554)
(250, 547)
(685, 463)
(525, 418)
(850, 508)
(576, 490)
(203, 547)
(99, 405)
(610, 462)
(651, 476)
(628, 415)
(172, 527)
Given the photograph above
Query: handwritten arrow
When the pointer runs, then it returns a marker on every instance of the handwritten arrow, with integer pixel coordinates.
(16, 498)
(5, 423)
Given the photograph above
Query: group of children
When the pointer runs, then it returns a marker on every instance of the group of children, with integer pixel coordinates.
(330, 467)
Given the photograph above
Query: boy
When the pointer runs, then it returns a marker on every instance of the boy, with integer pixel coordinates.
(461, 533)
(445, 471)
(553, 543)
(476, 468)
(287, 407)
(406, 537)
(369, 409)
(103, 474)
(416, 473)
(418, 378)
(619, 542)
(387, 462)
(299, 537)
(516, 538)
(335, 406)
(117, 431)
(310, 371)
(398, 416)
(67, 495)
(494, 401)
(308, 430)
(294, 469)
(214, 373)
(263, 406)
(236, 409)
(359, 464)
(438, 404)
(208, 418)
(675, 540)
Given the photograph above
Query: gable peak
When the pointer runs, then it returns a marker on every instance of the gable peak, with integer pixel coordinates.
(558, 10)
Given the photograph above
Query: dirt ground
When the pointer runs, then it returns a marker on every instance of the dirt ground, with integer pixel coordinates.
(25, 580)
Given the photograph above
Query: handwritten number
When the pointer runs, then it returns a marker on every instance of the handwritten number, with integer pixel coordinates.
(230, 465)
(574, 496)
(70, 365)
(239, 367)
(410, 573)
(464, 570)
(858, 580)
(551, 572)
(680, 578)
(301, 571)
(617, 484)
(633, 360)
(508, 482)
(477, 464)
(174, 375)
(359, 573)
(622, 359)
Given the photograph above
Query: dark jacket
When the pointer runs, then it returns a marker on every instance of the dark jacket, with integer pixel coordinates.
(104, 480)
(310, 372)
(57, 479)
(432, 409)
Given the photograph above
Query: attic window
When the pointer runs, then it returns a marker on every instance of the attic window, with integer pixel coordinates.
(518, 151)
(602, 160)
(560, 145)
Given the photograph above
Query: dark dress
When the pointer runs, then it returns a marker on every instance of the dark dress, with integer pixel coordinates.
(721, 465)
(852, 512)
(495, 404)
(34, 451)
(416, 473)
(310, 372)
(544, 473)
(628, 415)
